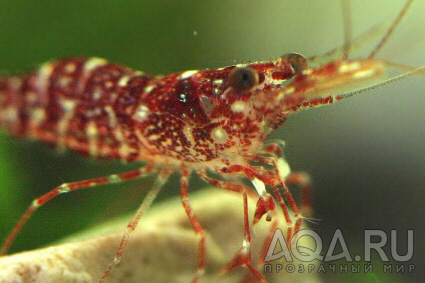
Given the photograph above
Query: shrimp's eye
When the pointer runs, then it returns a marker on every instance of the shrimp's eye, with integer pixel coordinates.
(298, 61)
(243, 78)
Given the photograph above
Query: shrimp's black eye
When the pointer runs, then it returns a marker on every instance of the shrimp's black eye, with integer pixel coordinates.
(298, 61)
(243, 78)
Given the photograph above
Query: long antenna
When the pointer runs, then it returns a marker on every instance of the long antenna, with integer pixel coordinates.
(346, 10)
(391, 29)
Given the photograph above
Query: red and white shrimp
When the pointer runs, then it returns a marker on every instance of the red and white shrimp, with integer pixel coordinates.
(192, 121)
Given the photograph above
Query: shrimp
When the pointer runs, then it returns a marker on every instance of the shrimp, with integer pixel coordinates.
(193, 121)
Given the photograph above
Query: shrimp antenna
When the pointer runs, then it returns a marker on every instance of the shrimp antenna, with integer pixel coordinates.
(314, 221)
(346, 10)
(390, 30)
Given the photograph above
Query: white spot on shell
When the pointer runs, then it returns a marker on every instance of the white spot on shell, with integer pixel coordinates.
(188, 74)
(349, 67)
(125, 150)
(92, 129)
(188, 134)
(64, 81)
(112, 117)
(219, 135)
(68, 107)
(363, 74)
(109, 84)
(67, 104)
(44, 74)
(154, 137)
(38, 114)
(119, 134)
(123, 81)
(142, 112)
(149, 88)
(70, 68)
(96, 94)
(93, 63)
(239, 106)
(46, 69)
(92, 134)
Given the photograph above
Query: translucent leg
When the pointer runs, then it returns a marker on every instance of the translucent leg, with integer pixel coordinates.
(67, 187)
(150, 197)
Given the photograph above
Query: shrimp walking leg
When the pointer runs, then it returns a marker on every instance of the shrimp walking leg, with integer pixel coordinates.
(243, 255)
(196, 225)
(147, 202)
(67, 187)
(302, 180)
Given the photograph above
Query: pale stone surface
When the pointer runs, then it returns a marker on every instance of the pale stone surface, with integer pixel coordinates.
(162, 249)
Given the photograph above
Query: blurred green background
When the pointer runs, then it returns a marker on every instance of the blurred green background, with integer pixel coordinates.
(366, 155)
